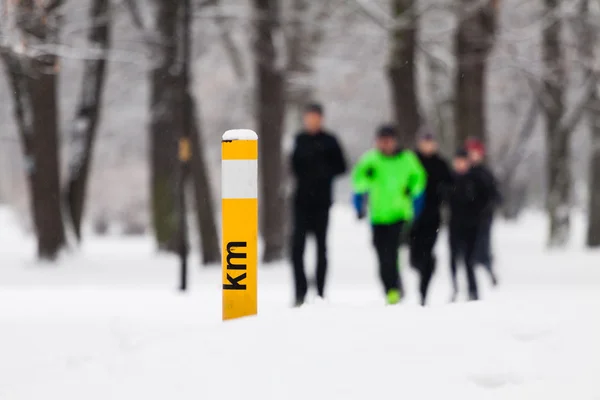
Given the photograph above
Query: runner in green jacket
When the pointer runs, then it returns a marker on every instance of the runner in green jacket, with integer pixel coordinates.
(392, 182)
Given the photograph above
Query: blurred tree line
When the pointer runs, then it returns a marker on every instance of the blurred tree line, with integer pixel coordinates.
(285, 38)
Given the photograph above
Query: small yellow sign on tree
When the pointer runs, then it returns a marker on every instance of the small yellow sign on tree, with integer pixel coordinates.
(185, 150)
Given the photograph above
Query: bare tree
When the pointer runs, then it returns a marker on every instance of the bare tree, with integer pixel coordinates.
(205, 210)
(165, 126)
(589, 35)
(204, 204)
(270, 112)
(558, 158)
(474, 39)
(33, 75)
(440, 111)
(402, 69)
(514, 152)
(304, 33)
(593, 232)
(300, 60)
(88, 114)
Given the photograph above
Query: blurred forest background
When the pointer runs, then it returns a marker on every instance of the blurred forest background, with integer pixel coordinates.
(95, 94)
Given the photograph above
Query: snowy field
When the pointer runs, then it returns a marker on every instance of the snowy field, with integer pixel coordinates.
(107, 323)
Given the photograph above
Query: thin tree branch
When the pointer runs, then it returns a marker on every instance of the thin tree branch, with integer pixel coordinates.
(519, 148)
(234, 54)
(53, 5)
(134, 13)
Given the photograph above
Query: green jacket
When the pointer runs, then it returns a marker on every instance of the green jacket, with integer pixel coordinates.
(390, 183)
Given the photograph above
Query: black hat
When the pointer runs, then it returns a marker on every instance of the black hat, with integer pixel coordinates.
(387, 130)
(425, 133)
(314, 108)
(461, 153)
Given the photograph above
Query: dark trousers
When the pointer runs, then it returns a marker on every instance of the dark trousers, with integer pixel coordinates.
(462, 246)
(483, 248)
(306, 222)
(422, 241)
(386, 239)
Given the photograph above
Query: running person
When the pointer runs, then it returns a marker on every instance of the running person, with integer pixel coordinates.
(468, 198)
(391, 180)
(424, 231)
(483, 248)
(317, 159)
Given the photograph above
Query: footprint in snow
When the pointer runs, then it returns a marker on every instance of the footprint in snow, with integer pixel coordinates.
(495, 380)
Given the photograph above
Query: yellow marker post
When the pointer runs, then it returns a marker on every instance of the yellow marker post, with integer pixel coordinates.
(239, 194)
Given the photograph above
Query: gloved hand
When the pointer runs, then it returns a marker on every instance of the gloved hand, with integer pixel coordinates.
(358, 200)
(418, 205)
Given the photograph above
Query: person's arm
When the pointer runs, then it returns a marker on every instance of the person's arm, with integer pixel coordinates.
(446, 182)
(362, 175)
(494, 187)
(417, 183)
(484, 197)
(492, 195)
(337, 159)
(298, 158)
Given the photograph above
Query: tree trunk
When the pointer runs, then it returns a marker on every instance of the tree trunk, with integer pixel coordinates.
(402, 71)
(473, 42)
(205, 208)
(300, 69)
(270, 104)
(588, 36)
(46, 168)
(514, 189)
(470, 104)
(85, 123)
(164, 129)
(558, 159)
(441, 113)
(593, 233)
(514, 198)
(34, 83)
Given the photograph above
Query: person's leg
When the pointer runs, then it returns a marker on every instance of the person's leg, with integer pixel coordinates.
(320, 228)
(298, 246)
(379, 242)
(469, 255)
(386, 242)
(454, 254)
(418, 253)
(486, 257)
(394, 244)
(428, 261)
(415, 249)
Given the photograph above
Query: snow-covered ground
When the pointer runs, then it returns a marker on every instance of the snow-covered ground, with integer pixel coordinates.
(107, 323)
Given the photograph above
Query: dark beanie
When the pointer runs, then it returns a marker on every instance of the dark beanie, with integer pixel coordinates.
(314, 108)
(425, 133)
(387, 130)
(461, 153)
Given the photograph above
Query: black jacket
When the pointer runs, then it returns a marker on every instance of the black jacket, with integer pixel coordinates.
(316, 160)
(439, 179)
(468, 198)
(491, 185)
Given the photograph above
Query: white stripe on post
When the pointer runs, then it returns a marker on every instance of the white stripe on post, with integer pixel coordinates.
(245, 175)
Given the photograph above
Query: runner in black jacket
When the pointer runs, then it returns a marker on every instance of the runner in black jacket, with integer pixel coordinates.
(468, 198)
(317, 159)
(425, 229)
(483, 252)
